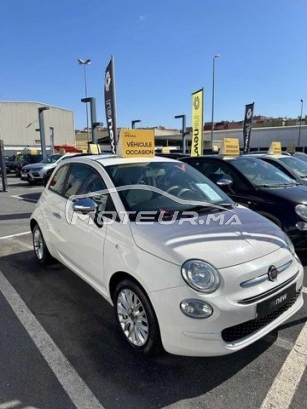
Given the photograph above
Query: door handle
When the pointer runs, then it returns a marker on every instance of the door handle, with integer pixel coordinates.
(57, 215)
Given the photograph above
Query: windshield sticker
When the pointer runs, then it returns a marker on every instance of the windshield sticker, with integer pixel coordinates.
(211, 193)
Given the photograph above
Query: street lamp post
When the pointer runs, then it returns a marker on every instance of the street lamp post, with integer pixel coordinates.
(135, 121)
(213, 89)
(85, 63)
(183, 131)
(299, 130)
(41, 122)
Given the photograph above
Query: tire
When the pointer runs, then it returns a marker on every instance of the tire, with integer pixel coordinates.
(42, 254)
(31, 182)
(131, 303)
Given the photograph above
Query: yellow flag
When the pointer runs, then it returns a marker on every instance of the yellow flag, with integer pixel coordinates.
(197, 123)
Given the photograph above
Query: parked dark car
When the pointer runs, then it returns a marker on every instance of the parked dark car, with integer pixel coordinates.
(9, 163)
(292, 166)
(263, 188)
(26, 159)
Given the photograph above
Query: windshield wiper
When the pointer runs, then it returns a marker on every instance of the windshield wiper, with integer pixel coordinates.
(277, 185)
(210, 207)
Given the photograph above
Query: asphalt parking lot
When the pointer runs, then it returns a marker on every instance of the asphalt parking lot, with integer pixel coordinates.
(60, 346)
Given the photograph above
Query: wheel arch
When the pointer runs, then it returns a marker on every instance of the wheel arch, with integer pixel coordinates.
(33, 223)
(120, 276)
(154, 344)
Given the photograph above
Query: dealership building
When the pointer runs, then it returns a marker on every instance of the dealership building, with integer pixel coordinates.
(20, 129)
(20, 126)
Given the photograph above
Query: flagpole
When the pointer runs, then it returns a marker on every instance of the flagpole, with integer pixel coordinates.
(114, 93)
(110, 103)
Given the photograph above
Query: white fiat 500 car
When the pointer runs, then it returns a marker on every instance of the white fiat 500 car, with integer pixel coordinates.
(185, 268)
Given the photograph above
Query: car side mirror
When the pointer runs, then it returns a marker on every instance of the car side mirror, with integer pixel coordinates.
(84, 205)
(224, 184)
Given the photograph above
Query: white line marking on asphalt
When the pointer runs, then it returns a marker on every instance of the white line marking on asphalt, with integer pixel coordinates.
(22, 244)
(10, 405)
(24, 199)
(13, 404)
(285, 384)
(80, 395)
(15, 235)
(304, 289)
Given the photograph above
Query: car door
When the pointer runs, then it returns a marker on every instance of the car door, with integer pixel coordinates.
(80, 239)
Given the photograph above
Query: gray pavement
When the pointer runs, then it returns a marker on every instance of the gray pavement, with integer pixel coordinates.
(60, 347)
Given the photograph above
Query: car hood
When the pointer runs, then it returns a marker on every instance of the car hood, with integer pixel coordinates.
(233, 238)
(295, 194)
(38, 165)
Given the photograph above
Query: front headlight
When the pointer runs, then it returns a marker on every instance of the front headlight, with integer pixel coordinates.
(37, 169)
(200, 275)
(301, 210)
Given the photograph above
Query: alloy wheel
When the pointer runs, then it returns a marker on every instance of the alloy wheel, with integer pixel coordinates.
(132, 317)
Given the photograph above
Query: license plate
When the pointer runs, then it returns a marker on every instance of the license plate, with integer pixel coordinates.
(274, 303)
(24, 175)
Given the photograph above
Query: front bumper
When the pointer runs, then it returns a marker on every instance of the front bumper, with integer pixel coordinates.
(233, 325)
(35, 176)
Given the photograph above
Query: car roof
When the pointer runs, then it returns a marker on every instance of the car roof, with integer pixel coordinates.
(283, 153)
(216, 156)
(267, 155)
(173, 155)
(111, 159)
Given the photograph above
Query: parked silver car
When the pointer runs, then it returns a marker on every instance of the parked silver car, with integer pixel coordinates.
(35, 172)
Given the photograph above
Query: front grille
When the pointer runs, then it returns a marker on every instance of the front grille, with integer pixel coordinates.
(240, 331)
(251, 300)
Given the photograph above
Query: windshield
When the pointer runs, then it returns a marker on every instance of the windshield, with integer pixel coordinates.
(261, 173)
(165, 186)
(299, 166)
(301, 156)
